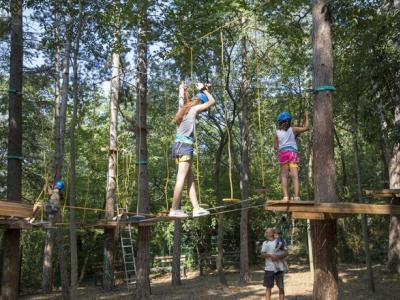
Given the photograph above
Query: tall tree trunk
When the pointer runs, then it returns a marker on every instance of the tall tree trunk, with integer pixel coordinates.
(60, 156)
(72, 202)
(394, 178)
(364, 223)
(47, 269)
(244, 171)
(220, 238)
(176, 243)
(11, 237)
(111, 197)
(143, 259)
(324, 231)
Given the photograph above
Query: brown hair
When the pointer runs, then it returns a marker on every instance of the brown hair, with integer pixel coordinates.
(185, 109)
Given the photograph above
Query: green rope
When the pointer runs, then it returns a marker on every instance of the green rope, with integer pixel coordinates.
(323, 88)
(16, 157)
(141, 162)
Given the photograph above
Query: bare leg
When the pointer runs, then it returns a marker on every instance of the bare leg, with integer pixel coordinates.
(294, 173)
(183, 168)
(281, 294)
(267, 294)
(191, 186)
(284, 180)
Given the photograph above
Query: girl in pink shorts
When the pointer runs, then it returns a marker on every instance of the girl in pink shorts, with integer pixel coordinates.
(288, 158)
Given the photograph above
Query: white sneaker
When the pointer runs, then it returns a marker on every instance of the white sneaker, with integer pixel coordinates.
(200, 212)
(285, 199)
(177, 213)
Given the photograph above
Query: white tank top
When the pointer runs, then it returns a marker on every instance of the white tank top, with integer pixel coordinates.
(286, 139)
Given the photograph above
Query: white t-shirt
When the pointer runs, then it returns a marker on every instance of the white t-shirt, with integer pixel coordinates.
(286, 139)
(269, 247)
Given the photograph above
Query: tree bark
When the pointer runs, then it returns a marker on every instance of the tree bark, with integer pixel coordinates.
(244, 171)
(394, 178)
(220, 238)
(72, 202)
(364, 223)
(324, 231)
(143, 259)
(111, 197)
(11, 237)
(47, 270)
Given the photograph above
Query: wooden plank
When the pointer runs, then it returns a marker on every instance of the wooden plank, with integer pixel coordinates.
(385, 193)
(15, 209)
(340, 208)
(288, 202)
(308, 215)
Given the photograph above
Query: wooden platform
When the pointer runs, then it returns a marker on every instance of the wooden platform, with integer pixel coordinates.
(322, 211)
(15, 209)
(385, 193)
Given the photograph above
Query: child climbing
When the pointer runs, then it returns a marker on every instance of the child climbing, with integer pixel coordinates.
(52, 207)
(288, 158)
(183, 148)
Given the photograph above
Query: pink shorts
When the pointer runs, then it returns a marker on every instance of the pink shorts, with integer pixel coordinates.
(288, 157)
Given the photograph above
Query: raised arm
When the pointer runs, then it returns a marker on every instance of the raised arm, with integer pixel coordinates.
(208, 104)
(304, 127)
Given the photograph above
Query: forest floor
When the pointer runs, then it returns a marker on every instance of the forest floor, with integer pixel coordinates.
(298, 285)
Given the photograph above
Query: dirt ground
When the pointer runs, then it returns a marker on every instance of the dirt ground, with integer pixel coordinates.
(298, 285)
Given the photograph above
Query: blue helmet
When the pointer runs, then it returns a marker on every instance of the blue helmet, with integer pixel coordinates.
(202, 97)
(59, 185)
(284, 116)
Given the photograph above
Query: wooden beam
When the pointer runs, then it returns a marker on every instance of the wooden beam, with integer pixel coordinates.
(308, 215)
(15, 209)
(341, 208)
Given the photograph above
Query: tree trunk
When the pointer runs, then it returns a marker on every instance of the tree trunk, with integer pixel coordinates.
(176, 254)
(244, 171)
(394, 178)
(324, 231)
(364, 223)
(72, 202)
(220, 239)
(111, 197)
(47, 270)
(176, 245)
(143, 259)
(11, 237)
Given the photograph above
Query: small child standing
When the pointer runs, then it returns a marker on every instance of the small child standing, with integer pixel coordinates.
(52, 207)
(288, 158)
(280, 248)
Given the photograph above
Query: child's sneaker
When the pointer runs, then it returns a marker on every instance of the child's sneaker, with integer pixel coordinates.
(177, 213)
(296, 199)
(285, 199)
(200, 212)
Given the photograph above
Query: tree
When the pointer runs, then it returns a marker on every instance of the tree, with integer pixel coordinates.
(324, 231)
(143, 258)
(72, 189)
(394, 179)
(111, 197)
(11, 237)
(245, 163)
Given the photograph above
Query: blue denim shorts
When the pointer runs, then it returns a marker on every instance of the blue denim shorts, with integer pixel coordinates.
(182, 152)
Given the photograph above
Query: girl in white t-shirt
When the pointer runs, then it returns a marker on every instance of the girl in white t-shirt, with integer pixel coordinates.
(288, 158)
